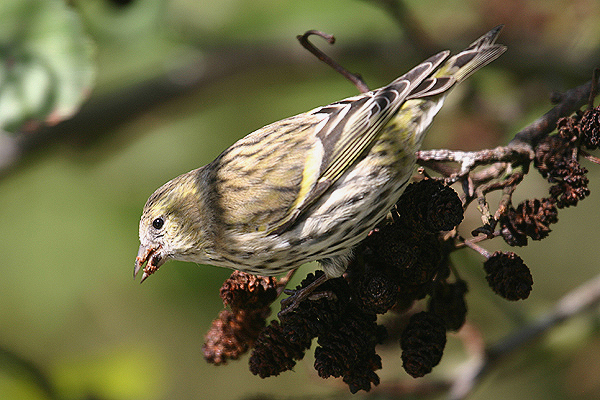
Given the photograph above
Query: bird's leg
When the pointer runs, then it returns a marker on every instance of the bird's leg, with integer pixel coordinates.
(297, 296)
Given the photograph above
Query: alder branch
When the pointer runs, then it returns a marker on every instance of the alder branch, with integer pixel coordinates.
(502, 161)
(570, 101)
(520, 149)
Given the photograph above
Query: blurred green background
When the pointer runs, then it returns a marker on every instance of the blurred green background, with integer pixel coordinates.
(167, 86)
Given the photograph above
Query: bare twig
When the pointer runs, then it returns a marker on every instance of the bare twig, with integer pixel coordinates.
(412, 388)
(354, 78)
(476, 239)
(489, 173)
(589, 157)
(508, 187)
(474, 246)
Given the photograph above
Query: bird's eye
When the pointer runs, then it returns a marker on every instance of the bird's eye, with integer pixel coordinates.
(158, 223)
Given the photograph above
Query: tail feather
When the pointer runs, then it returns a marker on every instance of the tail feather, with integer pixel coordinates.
(480, 53)
(460, 66)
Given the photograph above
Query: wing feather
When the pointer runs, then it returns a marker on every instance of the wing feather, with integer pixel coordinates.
(351, 127)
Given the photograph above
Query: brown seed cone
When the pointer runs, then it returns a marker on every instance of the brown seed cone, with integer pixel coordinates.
(589, 125)
(246, 291)
(571, 187)
(422, 342)
(508, 276)
(429, 205)
(348, 350)
(531, 218)
(232, 334)
(448, 302)
(550, 153)
(274, 353)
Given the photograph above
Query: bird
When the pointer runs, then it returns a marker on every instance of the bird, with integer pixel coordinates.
(306, 188)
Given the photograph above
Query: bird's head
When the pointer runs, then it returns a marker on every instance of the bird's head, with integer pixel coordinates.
(173, 225)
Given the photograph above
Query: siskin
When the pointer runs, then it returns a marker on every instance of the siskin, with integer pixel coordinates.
(309, 187)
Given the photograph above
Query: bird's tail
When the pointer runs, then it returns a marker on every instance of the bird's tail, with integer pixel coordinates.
(460, 66)
(480, 53)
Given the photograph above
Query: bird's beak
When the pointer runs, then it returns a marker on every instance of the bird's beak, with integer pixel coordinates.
(151, 254)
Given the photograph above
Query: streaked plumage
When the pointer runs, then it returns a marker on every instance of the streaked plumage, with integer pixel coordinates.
(309, 187)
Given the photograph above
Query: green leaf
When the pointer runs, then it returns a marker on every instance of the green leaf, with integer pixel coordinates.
(46, 68)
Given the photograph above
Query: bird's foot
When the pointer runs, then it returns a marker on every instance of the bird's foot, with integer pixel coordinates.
(289, 304)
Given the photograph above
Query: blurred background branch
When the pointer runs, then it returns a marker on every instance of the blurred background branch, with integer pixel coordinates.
(579, 300)
(10, 361)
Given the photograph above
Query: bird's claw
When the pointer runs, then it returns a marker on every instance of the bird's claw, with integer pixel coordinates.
(297, 296)
(324, 294)
(289, 304)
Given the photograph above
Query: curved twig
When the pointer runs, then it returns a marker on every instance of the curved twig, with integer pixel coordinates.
(354, 78)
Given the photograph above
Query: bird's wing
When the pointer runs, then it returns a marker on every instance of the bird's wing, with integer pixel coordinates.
(345, 130)
(268, 179)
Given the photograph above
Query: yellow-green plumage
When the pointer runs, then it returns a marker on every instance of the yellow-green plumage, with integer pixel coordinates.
(309, 187)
